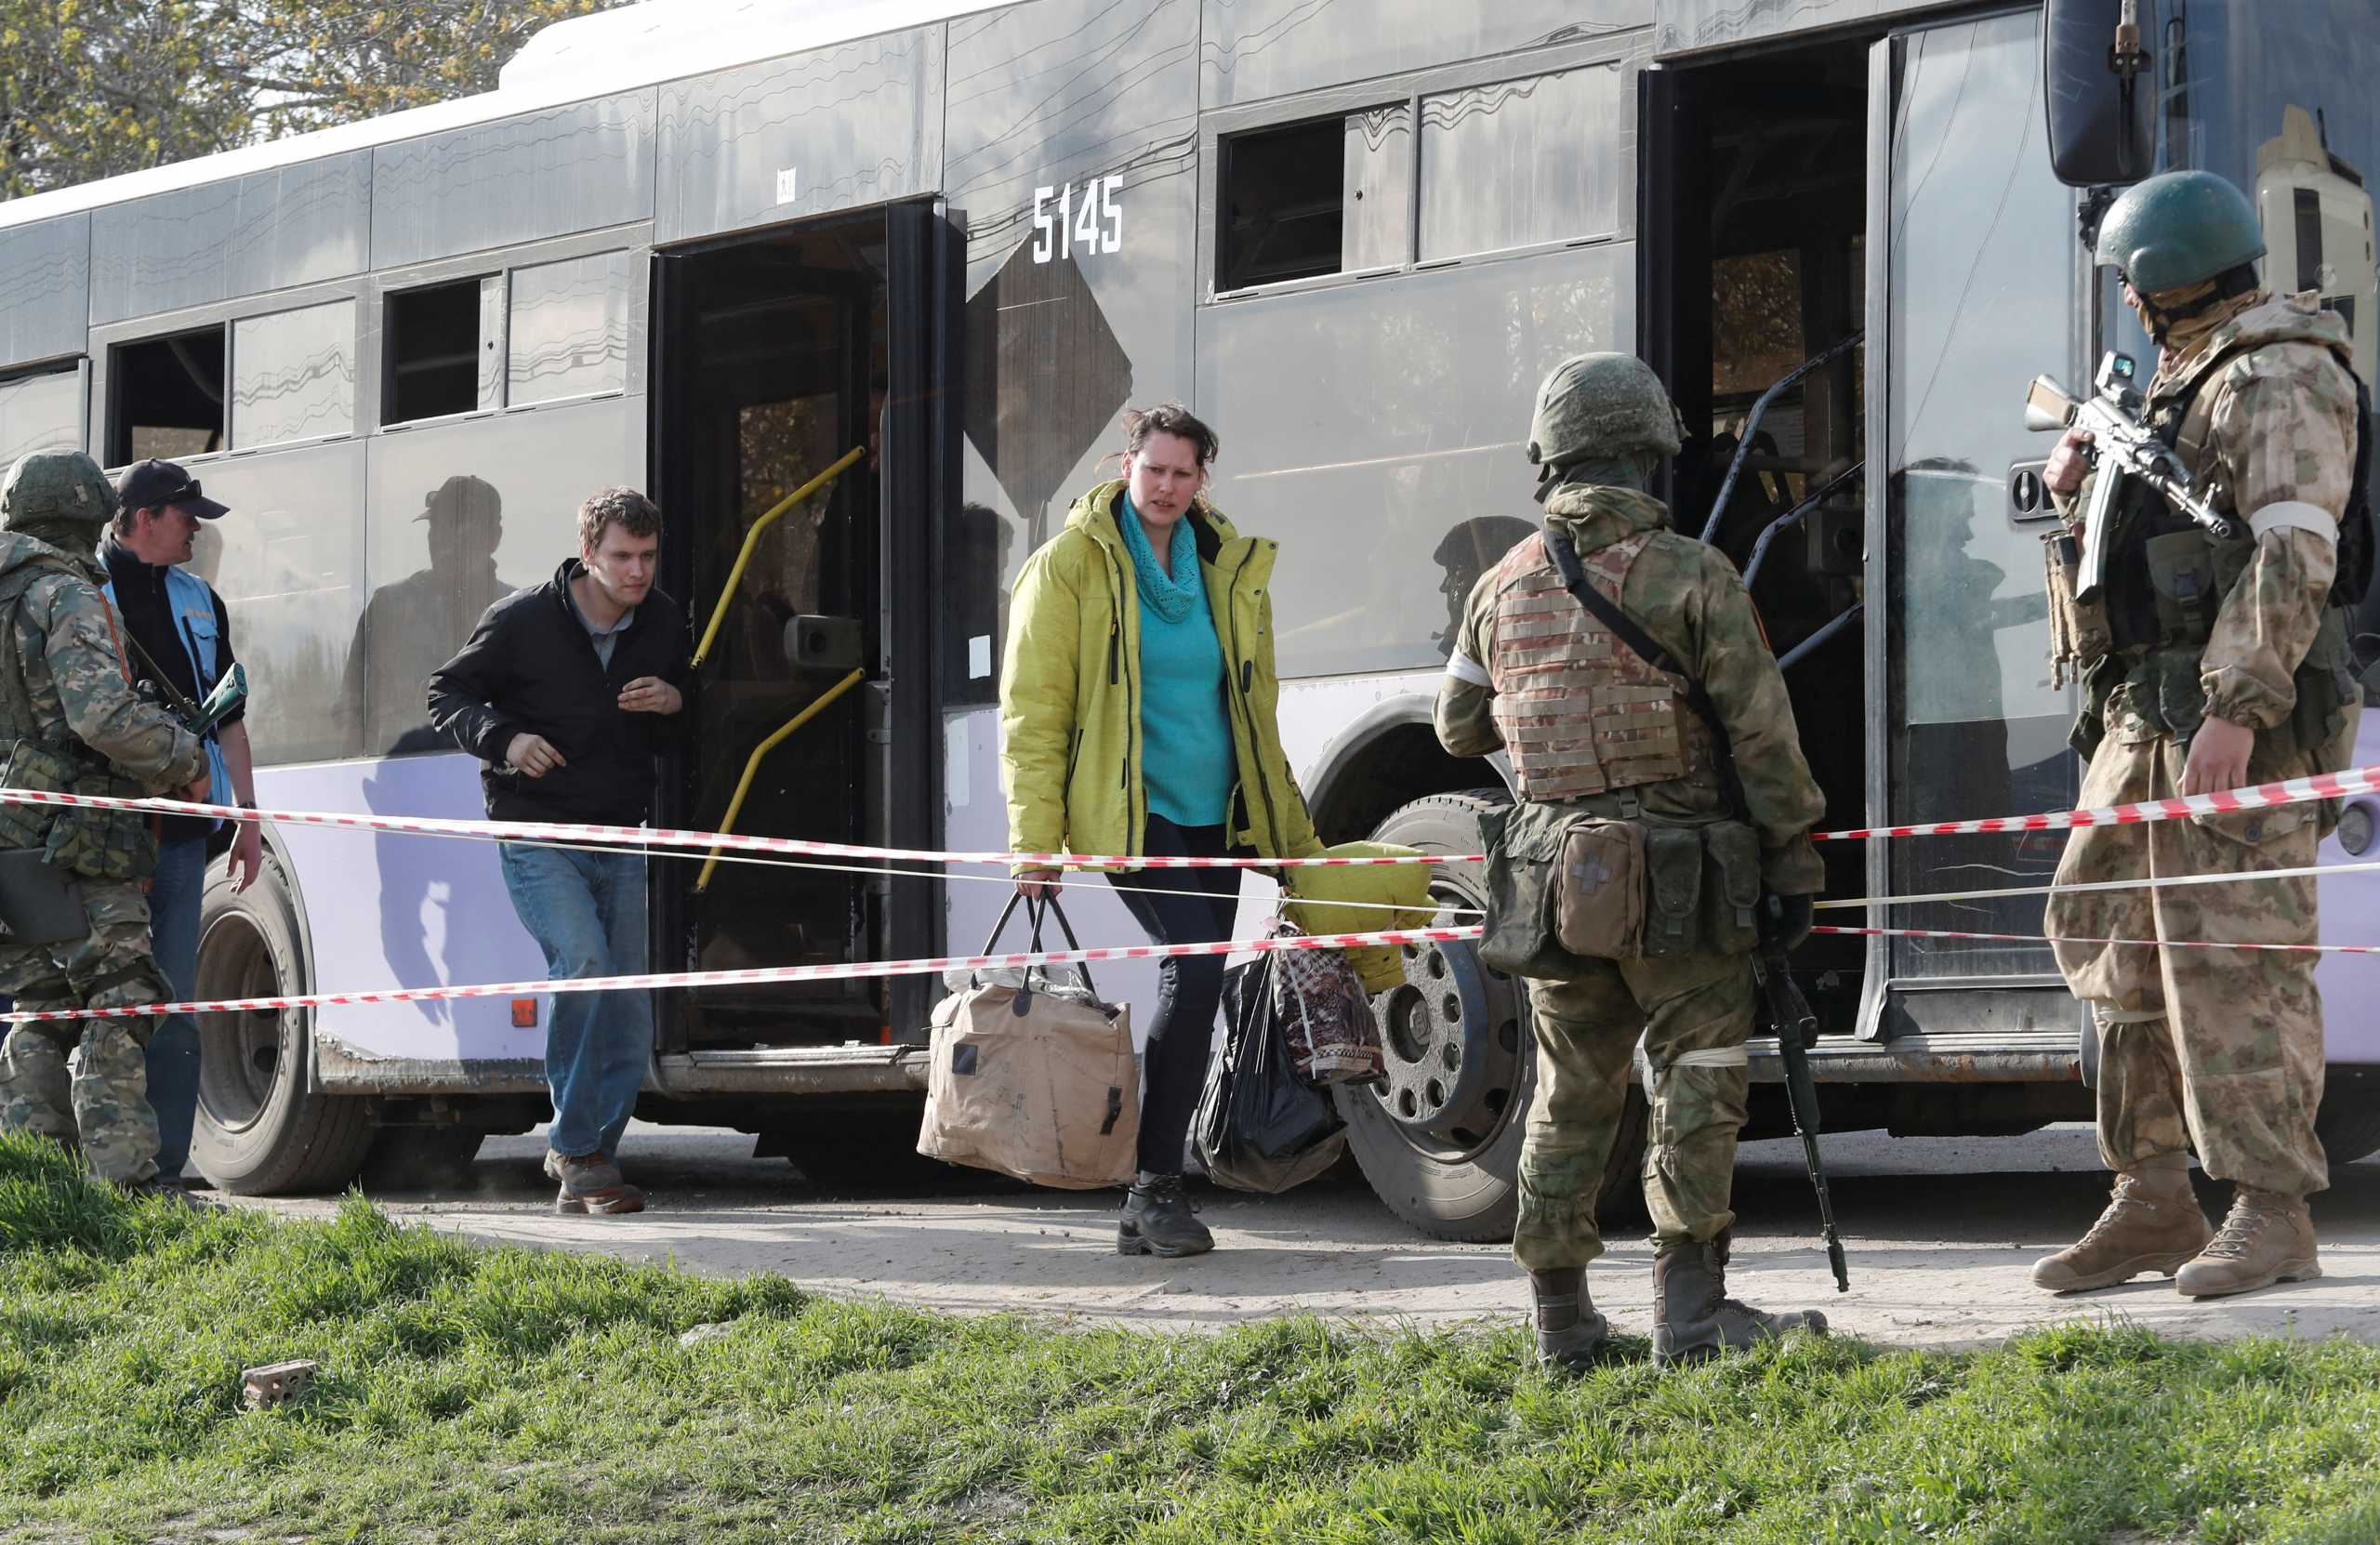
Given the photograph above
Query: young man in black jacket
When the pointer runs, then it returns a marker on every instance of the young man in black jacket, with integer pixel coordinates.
(566, 690)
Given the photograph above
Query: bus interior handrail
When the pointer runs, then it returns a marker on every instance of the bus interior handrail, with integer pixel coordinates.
(752, 764)
(1751, 425)
(1792, 516)
(752, 537)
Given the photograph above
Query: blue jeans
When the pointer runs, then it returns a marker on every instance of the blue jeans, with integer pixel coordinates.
(586, 912)
(174, 902)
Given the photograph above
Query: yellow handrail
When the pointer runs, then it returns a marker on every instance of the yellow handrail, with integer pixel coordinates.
(727, 591)
(752, 764)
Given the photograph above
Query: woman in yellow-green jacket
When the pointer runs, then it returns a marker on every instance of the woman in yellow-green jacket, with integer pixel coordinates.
(1137, 716)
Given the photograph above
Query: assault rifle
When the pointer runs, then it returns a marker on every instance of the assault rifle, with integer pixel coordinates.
(2122, 449)
(198, 719)
(1796, 1025)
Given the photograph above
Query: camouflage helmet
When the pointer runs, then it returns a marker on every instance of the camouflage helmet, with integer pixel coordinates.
(55, 485)
(2179, 228)
(1602, 405)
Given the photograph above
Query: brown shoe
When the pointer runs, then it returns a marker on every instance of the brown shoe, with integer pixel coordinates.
(2267, 1238)
(591, 1182)
(2151, 1224)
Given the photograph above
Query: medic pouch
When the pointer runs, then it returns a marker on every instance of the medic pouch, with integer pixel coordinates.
(2079, 636)
(1599, 889)
(1563, 890)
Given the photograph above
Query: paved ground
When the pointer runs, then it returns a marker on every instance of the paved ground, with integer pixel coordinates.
(1940, 1230)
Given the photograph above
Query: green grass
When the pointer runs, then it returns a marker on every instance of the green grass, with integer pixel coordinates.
(478, 1394)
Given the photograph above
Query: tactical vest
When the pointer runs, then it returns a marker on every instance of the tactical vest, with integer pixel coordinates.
(1580, 712)
(2167, 576)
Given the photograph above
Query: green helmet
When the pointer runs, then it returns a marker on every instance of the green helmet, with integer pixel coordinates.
(2179, 228)
(55, 485)
(1602, 405)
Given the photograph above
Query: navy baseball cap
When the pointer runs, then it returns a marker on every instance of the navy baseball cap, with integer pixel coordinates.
(153, 485)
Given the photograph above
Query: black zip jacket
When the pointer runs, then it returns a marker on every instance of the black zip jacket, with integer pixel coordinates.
(529, 666)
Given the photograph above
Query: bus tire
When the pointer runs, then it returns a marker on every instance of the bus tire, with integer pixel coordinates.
(1454, 1174)
(2347, 1121)
(261, 1130)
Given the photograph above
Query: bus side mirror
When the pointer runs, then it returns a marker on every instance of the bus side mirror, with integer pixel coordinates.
(2096, 80)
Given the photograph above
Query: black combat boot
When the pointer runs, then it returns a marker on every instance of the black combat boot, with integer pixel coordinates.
(1158, 1220)
(1570, 1335)
(1693, 1316)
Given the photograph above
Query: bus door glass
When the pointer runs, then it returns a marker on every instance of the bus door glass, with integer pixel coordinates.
(1977, 260)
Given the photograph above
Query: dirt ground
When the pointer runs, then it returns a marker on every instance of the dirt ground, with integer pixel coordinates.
(1940, 1232)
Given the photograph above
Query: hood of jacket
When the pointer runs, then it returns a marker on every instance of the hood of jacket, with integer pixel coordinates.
(2298, 318)
(19, 549)
(1595, 515)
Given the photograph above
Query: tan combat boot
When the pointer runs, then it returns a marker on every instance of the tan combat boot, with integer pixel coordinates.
(1693, 1316)
(2267, 1238)
(2151, 1224)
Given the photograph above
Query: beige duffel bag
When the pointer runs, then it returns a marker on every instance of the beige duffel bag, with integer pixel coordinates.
(1034, 1077)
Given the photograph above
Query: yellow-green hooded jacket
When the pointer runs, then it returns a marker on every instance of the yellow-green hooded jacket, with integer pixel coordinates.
(1070, 689)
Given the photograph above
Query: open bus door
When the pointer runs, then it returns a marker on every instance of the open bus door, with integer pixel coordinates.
(1974, 286)
(780, 353)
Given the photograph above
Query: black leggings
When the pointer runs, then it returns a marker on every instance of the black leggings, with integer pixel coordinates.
(1189, 987)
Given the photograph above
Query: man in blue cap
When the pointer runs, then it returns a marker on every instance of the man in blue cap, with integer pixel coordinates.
(179, 635)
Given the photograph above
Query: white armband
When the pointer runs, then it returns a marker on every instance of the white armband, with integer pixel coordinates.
(1470, 672)
(1723, 1056)
(2295, 515)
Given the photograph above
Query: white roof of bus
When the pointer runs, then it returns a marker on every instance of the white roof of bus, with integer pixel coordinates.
(590, 56)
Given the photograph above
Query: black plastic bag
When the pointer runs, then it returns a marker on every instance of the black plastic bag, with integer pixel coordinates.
(1260, 1127)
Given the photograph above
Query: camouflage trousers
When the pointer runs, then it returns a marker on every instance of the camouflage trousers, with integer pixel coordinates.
(104, 1098)
(2218, 1049)
(1694, 1013)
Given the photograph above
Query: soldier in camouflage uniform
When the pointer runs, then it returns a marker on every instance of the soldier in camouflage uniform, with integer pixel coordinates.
(1594, 730)
(2212, 665)
(71, 723)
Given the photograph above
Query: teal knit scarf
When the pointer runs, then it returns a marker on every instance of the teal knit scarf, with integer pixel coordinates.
(1171, 596)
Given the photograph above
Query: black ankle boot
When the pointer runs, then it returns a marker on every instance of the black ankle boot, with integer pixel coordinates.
(1570, 1335)
(1159, 1221)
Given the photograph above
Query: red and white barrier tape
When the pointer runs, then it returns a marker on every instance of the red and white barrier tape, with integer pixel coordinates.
(2292, 791)
(761, 975)
(648, 837)
(2326, 785)
(2074, 888)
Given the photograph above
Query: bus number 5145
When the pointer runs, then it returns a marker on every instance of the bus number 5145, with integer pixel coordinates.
(1076, 225)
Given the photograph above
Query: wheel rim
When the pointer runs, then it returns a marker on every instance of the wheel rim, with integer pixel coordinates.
(240, 1058)
(1452, 1044)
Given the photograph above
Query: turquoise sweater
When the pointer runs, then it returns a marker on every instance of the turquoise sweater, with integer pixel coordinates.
(1185, 739)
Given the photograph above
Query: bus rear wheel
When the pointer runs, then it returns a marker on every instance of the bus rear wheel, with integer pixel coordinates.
(1440, 1142)
(261, 1130)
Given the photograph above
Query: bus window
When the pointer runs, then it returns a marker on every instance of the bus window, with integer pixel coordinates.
(293, 375)
(40, 413)
(168, 395)
(1328, 196)
(569, 331)
(1500, 167)
(445, 346)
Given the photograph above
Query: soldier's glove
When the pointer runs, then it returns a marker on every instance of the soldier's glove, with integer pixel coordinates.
(1789, 918)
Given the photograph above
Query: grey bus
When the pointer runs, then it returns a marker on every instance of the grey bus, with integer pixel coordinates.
(710, 248)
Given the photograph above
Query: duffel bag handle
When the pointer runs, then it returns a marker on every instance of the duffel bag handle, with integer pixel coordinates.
(1036, 910)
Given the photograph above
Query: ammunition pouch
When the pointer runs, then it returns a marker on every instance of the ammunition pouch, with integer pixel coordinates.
(2079, 638)
(1565, 890)
(96, 844)
(35, 767)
